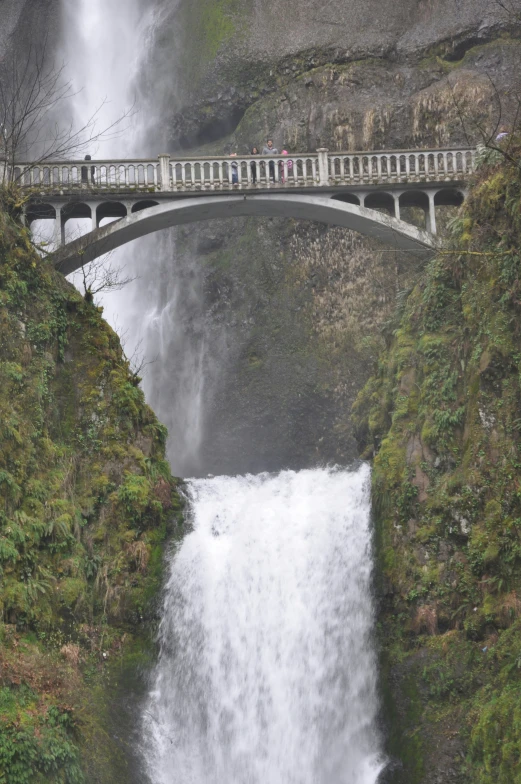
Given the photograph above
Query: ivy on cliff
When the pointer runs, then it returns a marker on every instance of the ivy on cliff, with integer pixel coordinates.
(86, 503)
(442, 417)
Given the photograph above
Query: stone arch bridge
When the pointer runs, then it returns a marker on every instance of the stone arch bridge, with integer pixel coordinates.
(366, 192)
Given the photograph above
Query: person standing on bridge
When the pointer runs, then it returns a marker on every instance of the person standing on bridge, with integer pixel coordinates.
(85, 172)
(235, 169)
(253, 165)
(269, 149)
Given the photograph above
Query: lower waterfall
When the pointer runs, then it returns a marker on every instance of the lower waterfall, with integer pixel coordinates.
(267, 670)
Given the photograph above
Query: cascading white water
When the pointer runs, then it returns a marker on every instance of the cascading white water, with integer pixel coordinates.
(267, 672)
(161, 317)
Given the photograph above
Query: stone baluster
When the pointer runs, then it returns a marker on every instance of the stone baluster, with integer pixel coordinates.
(164, 163)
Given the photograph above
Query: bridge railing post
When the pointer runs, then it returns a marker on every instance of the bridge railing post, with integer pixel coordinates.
(323, 166)
(164, 162)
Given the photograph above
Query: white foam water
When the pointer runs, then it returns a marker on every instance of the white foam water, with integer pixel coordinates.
(267, 671)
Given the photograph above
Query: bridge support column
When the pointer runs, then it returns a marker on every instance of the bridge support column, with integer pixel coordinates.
(397, 213)
(432, 212)
(59, 228)
(94, 213)
(164, 162)
(323, 167)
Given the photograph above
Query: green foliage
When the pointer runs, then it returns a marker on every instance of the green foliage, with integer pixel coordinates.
(82, 509)
(39, 749)
(441, 414)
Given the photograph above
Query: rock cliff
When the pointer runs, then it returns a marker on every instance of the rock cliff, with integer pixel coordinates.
(441, 416)
(86, 505)
(292, 312)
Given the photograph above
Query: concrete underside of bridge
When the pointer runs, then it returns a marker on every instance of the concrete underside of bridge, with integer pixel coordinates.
(392, 232)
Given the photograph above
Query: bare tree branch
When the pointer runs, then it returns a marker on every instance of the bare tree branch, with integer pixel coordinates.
(32, 93)
(102, 275)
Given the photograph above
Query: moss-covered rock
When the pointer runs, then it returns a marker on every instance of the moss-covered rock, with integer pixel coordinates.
(86, 504)
(441, 416)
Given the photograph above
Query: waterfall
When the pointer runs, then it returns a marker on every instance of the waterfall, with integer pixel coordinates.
(267, 668)
(161, 315)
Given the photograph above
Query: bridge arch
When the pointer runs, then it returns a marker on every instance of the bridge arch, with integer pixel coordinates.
(110, 209)
(449, 197)
(347, 198)
(40, 211)
(381, 200)
(144, 205)
(391, 231)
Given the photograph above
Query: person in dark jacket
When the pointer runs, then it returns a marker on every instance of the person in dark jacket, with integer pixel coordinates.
(253, 165)
(269, 149)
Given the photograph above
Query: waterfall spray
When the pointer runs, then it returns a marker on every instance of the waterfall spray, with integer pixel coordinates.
(162, 314)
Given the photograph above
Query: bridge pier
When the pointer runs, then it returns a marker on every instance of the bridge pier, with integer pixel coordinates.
(432, 211)
(397, 213)
(59, 227)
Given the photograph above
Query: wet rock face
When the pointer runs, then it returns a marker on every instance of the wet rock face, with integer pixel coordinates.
(238, 53)
(26, 22)
(298, 307)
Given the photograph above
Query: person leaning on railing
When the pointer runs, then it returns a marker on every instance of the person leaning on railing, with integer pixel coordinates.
(235, 169)
(85, 172)
(269, 149)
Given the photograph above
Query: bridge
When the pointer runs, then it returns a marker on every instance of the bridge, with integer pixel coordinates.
(365, 191)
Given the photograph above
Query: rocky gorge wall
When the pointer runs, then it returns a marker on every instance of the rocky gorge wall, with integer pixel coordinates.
(292, 311)
(440, 416)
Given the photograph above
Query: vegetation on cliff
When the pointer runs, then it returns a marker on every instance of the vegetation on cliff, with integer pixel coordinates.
(86, 503)
(442, 417)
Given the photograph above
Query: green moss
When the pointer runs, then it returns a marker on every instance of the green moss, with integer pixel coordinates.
(84, 516)
(210, 25)
(441, 413)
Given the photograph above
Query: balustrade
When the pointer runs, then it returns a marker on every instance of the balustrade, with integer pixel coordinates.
(313, 170)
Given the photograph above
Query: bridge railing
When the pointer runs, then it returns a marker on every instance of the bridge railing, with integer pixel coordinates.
(322, 168)
(417, 166)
